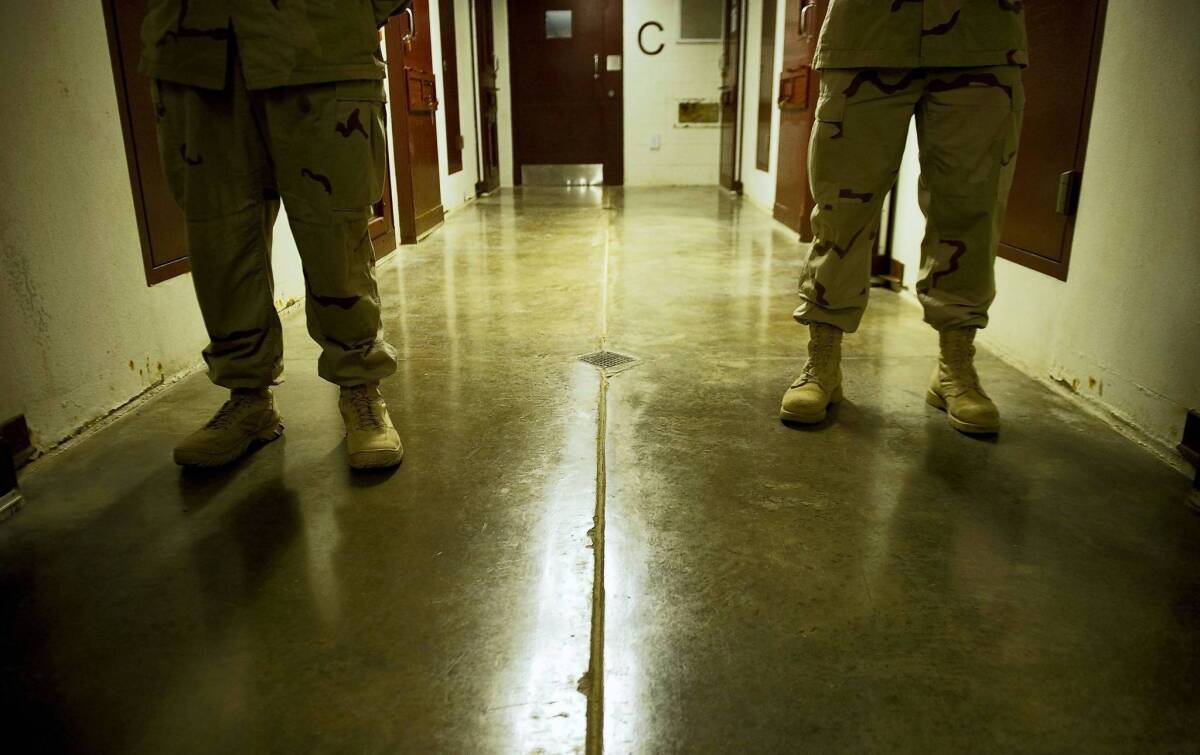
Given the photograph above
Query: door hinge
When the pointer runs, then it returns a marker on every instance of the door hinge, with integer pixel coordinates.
(1068, 192)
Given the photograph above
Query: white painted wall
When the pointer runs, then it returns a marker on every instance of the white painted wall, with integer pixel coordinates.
(80, 332)
(1128, 318)
(758, 186)
(504, 93)
(459, 188)
(652, 85)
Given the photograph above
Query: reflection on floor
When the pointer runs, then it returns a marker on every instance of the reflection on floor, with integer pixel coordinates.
(878, 583)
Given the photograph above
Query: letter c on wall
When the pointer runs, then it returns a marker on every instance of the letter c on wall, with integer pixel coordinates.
(642, 44)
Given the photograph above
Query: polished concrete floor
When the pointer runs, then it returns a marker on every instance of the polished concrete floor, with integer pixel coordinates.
(879, 583)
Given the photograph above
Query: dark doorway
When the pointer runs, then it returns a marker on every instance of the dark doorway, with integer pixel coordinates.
(449, 39)
(766, 85)
(798, 85)
(487, 68)
(731, 67)
(412, 86)
(567, 91)
(1064, 45)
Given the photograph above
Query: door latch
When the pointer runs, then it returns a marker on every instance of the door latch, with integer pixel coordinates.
(1068, 192)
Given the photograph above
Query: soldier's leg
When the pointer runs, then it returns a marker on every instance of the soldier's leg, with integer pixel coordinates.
(854, 156)
(217, 168)
(328, 145)
(969, 123)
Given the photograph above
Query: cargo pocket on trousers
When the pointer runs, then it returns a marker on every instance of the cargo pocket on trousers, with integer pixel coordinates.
(824, 149)
(170, 121)
(1012, 138)
(830, 113)
(360, 145)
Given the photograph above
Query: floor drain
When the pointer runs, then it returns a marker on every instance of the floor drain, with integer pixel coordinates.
(608, 360)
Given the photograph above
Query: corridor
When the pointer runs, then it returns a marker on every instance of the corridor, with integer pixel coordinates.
(879, 582)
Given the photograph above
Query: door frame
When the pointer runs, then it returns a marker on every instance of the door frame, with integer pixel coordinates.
(483, 136)
(739, 103)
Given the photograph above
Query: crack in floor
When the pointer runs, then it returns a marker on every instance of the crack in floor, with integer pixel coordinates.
(594, 741)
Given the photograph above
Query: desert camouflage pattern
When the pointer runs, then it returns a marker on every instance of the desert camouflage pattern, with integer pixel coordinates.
(230, 157)
(922, 33)
(280, 42)
(968, 125)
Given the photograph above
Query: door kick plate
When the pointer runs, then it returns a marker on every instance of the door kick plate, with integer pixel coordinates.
(591, 174)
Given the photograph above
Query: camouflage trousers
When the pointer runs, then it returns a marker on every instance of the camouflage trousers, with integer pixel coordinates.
(968, 124)
(230, 156)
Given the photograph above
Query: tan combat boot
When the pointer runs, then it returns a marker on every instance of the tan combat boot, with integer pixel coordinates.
(371, 438)
(820, 384)
(248, 417)
(955, 386)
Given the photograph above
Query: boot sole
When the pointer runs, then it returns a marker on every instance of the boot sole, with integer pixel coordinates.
(937, 402)
(208, 461)
(377, 459)
(815, 417)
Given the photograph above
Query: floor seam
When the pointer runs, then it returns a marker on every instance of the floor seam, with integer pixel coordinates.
(594, 741)
(595, 706)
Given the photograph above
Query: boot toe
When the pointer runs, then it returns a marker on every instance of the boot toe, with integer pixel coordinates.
(975, 418)
(382, 450)
(807, 403)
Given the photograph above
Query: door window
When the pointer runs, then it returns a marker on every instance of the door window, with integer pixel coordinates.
(558, 24)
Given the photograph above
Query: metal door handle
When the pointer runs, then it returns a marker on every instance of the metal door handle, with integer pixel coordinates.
(412, 27)
(595, 66)
(804, 19)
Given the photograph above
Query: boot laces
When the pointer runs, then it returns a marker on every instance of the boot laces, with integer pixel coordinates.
(959, 356)
(364, 409)
(820, 354)
(228, 412)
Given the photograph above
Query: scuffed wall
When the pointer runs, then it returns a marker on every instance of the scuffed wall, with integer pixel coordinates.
(80, 332)
(1123, 332)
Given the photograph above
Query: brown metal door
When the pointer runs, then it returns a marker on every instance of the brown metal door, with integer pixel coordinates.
(731, 60)
(489, 101)
(798, 85)
(1064, 42)
(566, 80)
(160, 221)
(412, 86)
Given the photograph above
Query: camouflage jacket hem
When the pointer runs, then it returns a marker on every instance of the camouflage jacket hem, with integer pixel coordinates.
(300, 77)
(894, 59)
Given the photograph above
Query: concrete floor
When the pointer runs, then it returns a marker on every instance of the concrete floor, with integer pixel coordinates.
(880, 583)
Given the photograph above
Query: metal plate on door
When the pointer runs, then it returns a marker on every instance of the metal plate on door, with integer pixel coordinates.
(422, 92)
(563, 175)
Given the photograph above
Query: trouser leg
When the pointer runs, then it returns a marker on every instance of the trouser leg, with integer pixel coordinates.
(327, 143)
(217, 167)
(854, 156)
(968, 123)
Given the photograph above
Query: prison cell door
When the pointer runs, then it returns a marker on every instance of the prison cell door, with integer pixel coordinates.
(798, 84)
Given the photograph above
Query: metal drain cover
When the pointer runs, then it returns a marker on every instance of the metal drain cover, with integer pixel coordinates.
(608, 360)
